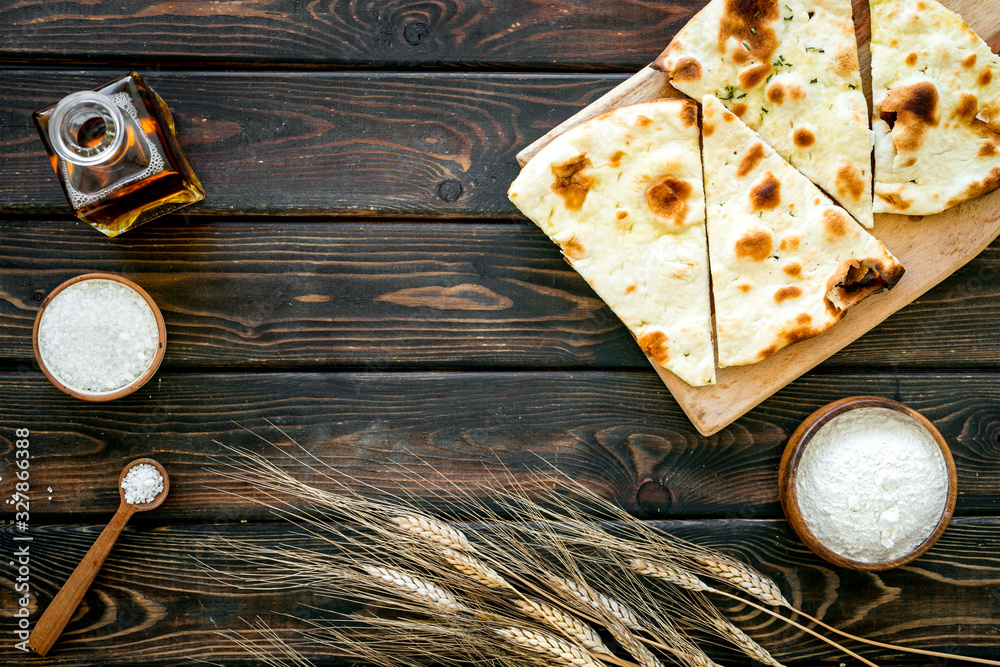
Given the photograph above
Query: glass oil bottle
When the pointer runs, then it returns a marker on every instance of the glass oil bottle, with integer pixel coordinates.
(117, 155)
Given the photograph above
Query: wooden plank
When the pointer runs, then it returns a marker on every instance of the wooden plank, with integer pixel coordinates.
(619, 433)
(154, 598)
(931, 248)
(513, 34)
(357, 143)
(394, 295)
(647, 84)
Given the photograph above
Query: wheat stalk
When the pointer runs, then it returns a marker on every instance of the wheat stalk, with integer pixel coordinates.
(567, 624)
(416, 587)
(545, 644)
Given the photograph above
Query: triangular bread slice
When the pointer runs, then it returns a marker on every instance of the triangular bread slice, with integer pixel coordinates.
(786, 261)
(936, 90)
(622, 196)
(789, 69)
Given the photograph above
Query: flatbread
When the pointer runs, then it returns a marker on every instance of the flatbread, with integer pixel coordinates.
(622, 196)
(936, 90)
(786, 261)
(789, 70)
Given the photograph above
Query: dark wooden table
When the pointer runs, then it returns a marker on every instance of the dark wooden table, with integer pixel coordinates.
(357, 276)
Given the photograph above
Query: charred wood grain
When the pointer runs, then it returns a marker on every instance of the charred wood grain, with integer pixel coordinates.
(157, 598)
(368, 144)
(621, 35)
(378, 296)
(618, 433)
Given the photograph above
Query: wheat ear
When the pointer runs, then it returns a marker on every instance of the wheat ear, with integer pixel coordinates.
(752, 583)
(424, 591)
(434, 531)
(697, 659)
(475, 570)
(634, 647)
(669, 574)
(801, 627)
(597, 601)
(745, 643)
(542, 643)
(567, 624)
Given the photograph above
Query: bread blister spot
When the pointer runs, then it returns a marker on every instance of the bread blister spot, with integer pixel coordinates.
(915, 111)
(668, 199)
(776, 93)
(755, 246)
(572, 247)
(836, 224)
(980, 188)
(656, 346)
(786, 293)
(746, 28)
(803, 137)
(850, 182)
(779, 93)
(754, 76)
(895, 200)
(571, 183)
(845, 63)
(968, 107)
(751, 159)
(689, 114)
(686, 70)
(766, 195)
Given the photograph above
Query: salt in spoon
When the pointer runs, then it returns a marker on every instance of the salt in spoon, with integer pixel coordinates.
(60, 610)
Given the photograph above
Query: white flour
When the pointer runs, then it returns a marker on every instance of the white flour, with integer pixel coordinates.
(872, 485)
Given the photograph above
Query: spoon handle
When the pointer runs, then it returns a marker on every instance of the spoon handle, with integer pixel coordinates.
(60, 610)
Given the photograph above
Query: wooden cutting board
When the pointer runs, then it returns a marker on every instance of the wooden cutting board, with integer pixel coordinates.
(930, 248)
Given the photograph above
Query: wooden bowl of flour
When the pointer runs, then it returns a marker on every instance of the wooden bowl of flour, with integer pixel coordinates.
(867, 483)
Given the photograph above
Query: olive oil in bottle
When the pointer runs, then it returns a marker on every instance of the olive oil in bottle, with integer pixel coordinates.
(117, 155)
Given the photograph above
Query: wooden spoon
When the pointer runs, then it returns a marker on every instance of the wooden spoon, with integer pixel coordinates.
(60, 610)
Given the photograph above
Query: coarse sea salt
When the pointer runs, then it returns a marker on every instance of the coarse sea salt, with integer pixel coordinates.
(872, 484)
(141, 484)
(97, 336)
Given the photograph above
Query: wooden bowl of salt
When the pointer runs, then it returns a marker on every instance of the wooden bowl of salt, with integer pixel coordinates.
(867, 483)
(98, 337)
